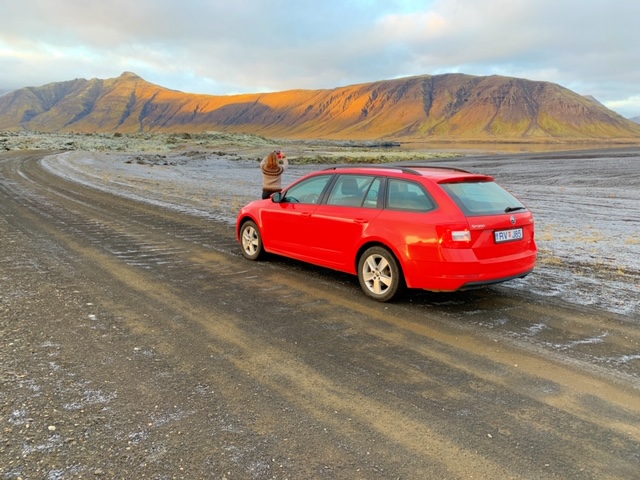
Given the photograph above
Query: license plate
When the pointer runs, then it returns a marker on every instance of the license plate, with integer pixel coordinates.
(508, 235)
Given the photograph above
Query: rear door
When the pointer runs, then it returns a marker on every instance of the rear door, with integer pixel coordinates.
(408, 221)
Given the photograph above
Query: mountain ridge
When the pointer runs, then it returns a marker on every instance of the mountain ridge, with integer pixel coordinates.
(448, 107)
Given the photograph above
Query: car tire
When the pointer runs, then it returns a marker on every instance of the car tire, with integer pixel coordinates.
(380, 275)
(251, 241)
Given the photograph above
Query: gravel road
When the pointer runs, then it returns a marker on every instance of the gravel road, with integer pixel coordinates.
(138, 343)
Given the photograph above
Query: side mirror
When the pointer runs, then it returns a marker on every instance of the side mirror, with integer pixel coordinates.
(276, 197)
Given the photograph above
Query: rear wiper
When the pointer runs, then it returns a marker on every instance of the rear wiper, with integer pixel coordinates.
(513, 209)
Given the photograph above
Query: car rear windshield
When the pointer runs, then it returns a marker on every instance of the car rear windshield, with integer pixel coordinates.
(482, 198)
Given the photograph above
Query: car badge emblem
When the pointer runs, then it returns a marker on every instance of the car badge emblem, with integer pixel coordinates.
(513, 220)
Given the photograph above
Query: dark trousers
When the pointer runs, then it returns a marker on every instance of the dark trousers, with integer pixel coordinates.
(268, 193)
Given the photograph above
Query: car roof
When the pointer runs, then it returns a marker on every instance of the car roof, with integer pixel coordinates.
(438, 174)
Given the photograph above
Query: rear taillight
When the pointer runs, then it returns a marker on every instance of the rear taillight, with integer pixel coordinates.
(461, 235)
(454, 236)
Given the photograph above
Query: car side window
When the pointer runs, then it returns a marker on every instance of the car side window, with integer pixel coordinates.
(371, 199)
(350, 190)
(307, 191)
(403, 195)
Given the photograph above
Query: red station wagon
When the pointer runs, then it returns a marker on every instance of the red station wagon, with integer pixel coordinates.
(430, 228)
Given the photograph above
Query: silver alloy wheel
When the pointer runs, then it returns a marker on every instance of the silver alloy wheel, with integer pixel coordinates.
(251, 241)
(377, 274)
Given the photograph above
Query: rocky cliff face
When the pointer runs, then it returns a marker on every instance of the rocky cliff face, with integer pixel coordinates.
(453, 107)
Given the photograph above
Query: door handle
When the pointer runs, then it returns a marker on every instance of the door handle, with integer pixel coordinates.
(360, 220)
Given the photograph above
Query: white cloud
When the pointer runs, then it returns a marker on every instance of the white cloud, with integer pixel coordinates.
(629, 105)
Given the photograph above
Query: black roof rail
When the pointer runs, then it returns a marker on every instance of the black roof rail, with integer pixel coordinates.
(412, 170)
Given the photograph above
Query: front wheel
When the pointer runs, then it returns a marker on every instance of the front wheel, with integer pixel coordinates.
(251, 241)
(379, 274)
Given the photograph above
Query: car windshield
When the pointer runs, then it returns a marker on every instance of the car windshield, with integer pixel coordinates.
(482, 198)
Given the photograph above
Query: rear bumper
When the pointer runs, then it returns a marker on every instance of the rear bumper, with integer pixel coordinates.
(473, 285)
(450, 276)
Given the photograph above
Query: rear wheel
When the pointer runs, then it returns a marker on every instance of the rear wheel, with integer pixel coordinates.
(251, 241)
(379, 274)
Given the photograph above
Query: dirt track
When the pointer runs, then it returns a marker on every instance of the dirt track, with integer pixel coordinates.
(137, 343)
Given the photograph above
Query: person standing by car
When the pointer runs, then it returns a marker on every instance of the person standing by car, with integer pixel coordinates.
(273, 166)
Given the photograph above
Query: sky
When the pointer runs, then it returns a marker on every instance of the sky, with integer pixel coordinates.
(225, 47)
